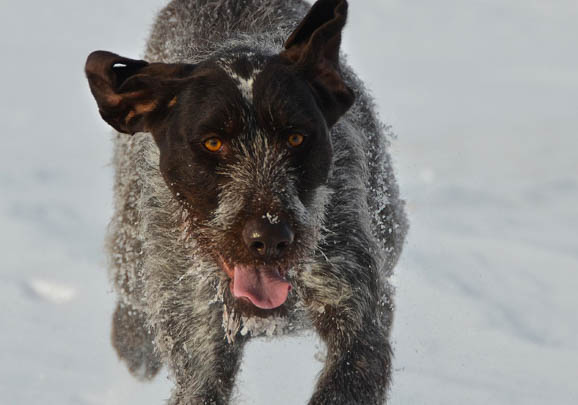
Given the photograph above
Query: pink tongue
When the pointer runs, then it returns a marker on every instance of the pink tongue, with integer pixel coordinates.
(264, 287)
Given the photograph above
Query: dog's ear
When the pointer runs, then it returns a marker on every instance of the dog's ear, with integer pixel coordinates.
(133, 95)
(314, 50)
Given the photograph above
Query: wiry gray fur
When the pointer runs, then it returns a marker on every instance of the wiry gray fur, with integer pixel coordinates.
(172, 290)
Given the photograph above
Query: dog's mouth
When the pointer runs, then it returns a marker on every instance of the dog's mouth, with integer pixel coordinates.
(264, 286)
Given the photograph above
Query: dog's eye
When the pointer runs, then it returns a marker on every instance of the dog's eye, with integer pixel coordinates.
(213, 144)
(295, 140)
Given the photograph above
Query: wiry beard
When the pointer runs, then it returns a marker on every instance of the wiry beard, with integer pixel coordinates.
(219, 236)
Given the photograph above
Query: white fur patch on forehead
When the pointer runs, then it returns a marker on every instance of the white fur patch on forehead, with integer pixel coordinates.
(246, 87)
(243, 81)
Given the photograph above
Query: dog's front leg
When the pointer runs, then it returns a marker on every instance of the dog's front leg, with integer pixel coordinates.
(354, 323)
(357, 368)
(356, 371)
(201, 379)
(204, 365)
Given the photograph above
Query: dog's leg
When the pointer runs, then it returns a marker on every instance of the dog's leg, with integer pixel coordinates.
(133, 342)
(204, 364)
(357, 369)
(351, 311)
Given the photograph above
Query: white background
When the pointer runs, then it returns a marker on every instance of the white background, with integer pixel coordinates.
(483, 96)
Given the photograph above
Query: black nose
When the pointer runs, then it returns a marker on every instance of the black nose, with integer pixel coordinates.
(267, 238)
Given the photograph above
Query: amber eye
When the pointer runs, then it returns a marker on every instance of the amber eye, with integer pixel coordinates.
(213, 144)
(295, 140)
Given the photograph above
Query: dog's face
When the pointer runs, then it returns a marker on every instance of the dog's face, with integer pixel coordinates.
(244, 145)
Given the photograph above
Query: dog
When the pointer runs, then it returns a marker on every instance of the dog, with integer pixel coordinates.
(256, 197)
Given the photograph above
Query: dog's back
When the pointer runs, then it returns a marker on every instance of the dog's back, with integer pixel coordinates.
(192, 30)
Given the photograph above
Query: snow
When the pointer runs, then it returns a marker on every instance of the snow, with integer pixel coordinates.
(483, 98)
(52, 291)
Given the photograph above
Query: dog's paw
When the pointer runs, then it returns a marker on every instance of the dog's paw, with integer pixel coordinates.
(133, 343)
(145, 369)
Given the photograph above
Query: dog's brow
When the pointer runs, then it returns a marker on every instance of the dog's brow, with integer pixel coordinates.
(244, 77)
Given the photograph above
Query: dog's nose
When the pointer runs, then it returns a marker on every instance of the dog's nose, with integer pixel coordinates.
(266, 238)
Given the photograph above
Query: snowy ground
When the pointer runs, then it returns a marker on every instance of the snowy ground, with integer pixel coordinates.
(483, 96)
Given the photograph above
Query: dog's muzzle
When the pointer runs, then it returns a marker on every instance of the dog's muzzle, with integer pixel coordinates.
(268, 239)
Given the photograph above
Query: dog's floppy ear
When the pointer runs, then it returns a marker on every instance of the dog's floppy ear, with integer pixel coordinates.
(314, 49)
(133, 95)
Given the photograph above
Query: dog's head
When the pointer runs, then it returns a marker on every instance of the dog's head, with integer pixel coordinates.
(244, 144)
